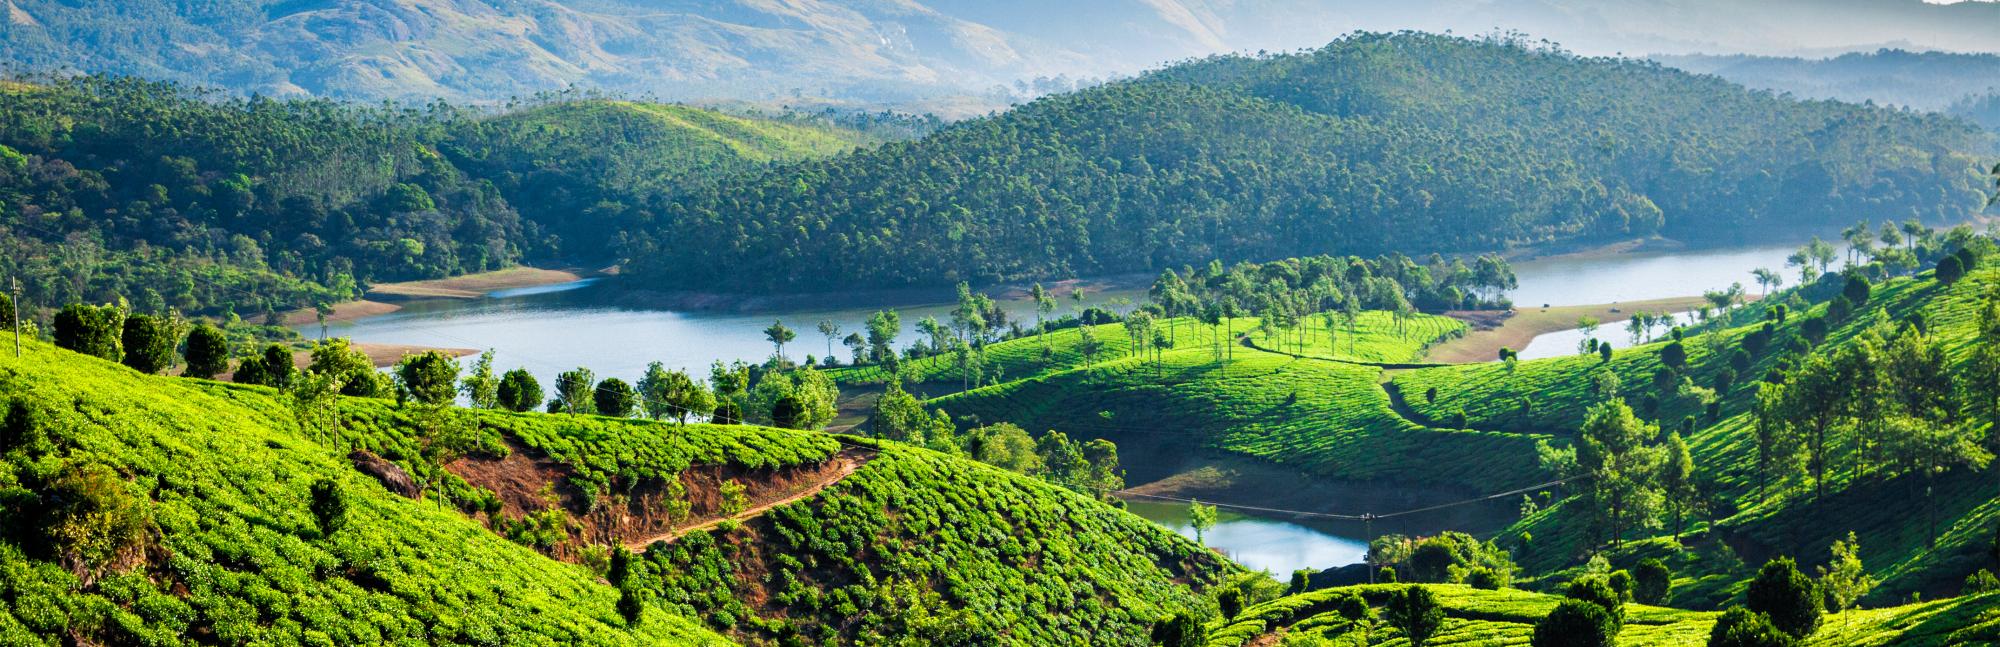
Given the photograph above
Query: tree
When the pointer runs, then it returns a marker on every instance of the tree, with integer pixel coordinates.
(1856, 289)
(149, 342)
(329, 506)
(1786, 596)
(1740, 627)
(1575, 623)
(1415, 612)
(1004, 445)
(1603, 352)
(901, 417)
(1674, 355)
(1843, 579)
(856, 346)
(779, 335)
(519, 391)
(674, 393)
(91, 330)
(1767, 280)
(350, 368)
(831, 331)
(272, 368)
(787, 412)
(430, 378)
(207, 352)
(1597, 590)
(883, 326)
(1624, 489)
(727, 413)
(480, 387)
(1652, 582)
(1950, 270)
(1104, 476)
(613, 397)
(1677, 480)
(574, 391)
(1201, 518)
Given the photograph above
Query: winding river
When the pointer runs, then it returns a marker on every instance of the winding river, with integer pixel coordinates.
(554, 328)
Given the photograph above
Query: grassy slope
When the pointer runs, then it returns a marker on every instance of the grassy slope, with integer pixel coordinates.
(227, 477)
(1325, 417)
(1475, 617)
(911, 536)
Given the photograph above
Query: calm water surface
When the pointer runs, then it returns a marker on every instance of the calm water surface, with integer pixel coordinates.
(1585, 280)
(1260, 543)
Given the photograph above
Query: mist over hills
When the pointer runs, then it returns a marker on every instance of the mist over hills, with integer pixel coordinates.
(898, 52)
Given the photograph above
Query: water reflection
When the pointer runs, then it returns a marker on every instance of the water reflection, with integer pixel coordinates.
(1260, 543)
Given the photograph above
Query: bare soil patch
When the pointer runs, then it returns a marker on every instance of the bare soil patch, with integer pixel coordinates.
(1495, 329)
(636, 517)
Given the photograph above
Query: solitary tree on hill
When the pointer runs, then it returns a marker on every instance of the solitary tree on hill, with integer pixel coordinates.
(429, 378)
(1201, 518)
(1787, 596)
(1415, 612)
(519, 391)
(207, 352)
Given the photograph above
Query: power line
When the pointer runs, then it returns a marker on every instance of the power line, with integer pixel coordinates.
(1363, 516)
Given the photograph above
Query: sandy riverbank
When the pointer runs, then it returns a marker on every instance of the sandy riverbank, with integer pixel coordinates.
(1493, 330)
(473, 286)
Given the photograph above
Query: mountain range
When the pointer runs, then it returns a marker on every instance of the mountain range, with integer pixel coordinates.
(948, 56)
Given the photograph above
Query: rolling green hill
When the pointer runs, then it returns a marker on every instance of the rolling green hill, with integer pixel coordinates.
(1923, 511)
(162, 509)
(1377, 142)
(1476, 617)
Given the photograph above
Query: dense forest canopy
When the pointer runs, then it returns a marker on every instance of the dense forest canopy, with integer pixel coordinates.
(1378, 142)
(180, 198)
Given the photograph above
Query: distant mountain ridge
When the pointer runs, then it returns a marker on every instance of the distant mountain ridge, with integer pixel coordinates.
(899, 52)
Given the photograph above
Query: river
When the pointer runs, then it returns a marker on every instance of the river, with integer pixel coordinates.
(550, 329)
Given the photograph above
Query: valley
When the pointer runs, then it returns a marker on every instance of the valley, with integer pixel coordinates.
(1401, 339)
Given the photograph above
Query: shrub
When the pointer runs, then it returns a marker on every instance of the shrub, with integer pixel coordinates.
(1490, 579)
(1575, 623)
(149, 343)
(207, 352)
(1415, 612)
(519, 391)
(1301, 581)
(1786, 596)
(1740, 627)
(91, 330)
(329, 506)
(1352, 606)
(1179, 630)
(1230, 602)
(1856, 290)
(1596, 589)
(615, 398)
(1981, 582)
(430, 377)
(1950, 270)
(1652, 582)
(272, 368)
(93, 522)
(726, 413)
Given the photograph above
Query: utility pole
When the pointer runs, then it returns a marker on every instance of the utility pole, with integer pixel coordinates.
(17, 315)
(1368, 533)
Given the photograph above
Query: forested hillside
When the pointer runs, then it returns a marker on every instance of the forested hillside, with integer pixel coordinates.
(172, 197)
(1377, 142)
